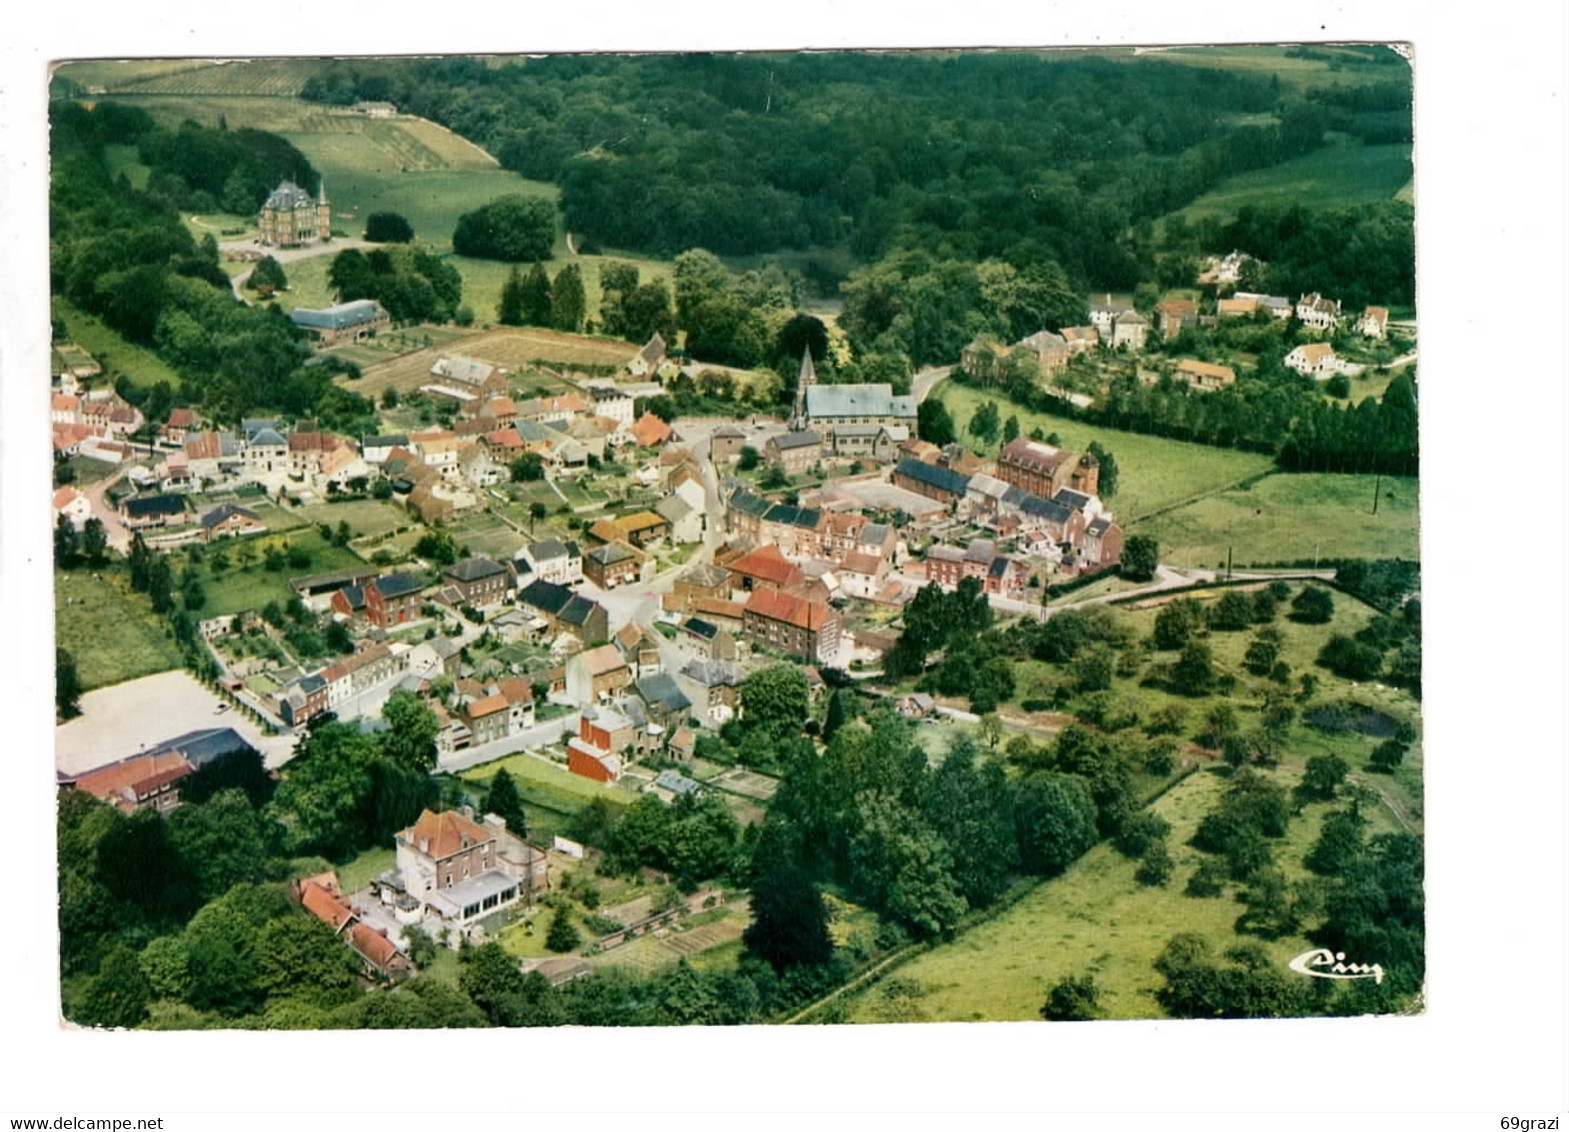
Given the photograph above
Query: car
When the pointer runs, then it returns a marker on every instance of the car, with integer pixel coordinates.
(221, 708)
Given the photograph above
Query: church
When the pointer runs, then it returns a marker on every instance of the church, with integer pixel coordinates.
(290, 217)
(827, 409)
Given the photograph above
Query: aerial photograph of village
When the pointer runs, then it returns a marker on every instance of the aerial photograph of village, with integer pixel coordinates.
(753, 538)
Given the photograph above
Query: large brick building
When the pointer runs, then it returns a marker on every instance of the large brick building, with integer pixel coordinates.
(794, 625)
(1044, 470)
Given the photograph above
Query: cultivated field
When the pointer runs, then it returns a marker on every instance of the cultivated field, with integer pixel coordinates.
(1096, 919)
(112, 632)
(1153, 472)
(1287, 517)
(1338, 175)
(512, 347)
(275, 77)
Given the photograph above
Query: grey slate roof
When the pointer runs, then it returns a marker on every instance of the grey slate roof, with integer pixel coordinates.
(548, 596)
(873, 400)
(677, 783)
(396, 585)
(154, 505)
(338, 317)
(221, 512)
(288, 196)
(660, 689)
(1074, 499)
(789, 441)
(473, 569)
(944, 479)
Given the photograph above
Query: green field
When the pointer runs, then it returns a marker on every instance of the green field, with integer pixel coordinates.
(1338, 175)
(239, 589)
(1153, 472)
(113, 633)
(1097, 919)
(1343, 66)
(365, 516)
(355, 874)
(115, 354)
(193, 76)
(1287, 517)
(551, 794)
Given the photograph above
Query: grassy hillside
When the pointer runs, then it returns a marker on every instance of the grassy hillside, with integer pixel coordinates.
(1338, 175)
(117, 355)
(1286, 517)
(113, 633)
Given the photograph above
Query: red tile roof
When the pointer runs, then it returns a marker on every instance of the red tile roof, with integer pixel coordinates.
(767, 563)
(375, 947)
(441, 835)
(331, 910)
(650, 430)
(788, 608)
(125, 781)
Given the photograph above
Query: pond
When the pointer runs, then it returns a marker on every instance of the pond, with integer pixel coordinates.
(1355, 717)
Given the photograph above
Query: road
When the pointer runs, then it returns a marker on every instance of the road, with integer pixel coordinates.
(282, 255)
(924, 381)
(119, 538)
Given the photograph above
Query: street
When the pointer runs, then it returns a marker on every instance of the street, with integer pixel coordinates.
(539, 735)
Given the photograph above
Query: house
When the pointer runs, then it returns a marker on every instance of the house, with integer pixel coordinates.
(1104, 313)
(301, 699)
(343, 322)
(917, 705)
(479, 467)
(714, 688)
(878, 443)
(643, 528)
(377, 449)
(1051, 351)
(486, 718)
(1315, 359)
(1173, 316)
(1080, 339)
(453, 866)
(393, 599)
(554, 561)
(686, 521)
(765, 568)
(639, 648)
(1223, 269)
(668, 706)
(1130, 330)
(147, 781)
(794, 625)
(646, 362)
(616, 406)
(567, 612)
(480, 581)
(597, 674)
(321, 897)
(795, 452)
(229, 520)
(649, 431)
(290, 217)
(152, 511)
(726, 443)
(612, 565)
(1374, 323)
(930, 480)
(1102, 544)
(470, 379)
(372, 665)
(1205, 376)
(1043, 470)
(73, 505)
(1277, 306)
(704, 580)
(862, 575)
(1317, 312)
(180, 424)
(375, 109)
(596, 750)
(1236, 307)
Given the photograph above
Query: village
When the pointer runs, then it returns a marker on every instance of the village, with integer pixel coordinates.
(575, 580)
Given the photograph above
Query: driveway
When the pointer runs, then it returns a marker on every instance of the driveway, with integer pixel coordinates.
(282, 255)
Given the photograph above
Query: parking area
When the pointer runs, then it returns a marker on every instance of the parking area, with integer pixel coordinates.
(123, 719)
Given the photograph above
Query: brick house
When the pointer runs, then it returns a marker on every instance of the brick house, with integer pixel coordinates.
(1044, 470)
(567, 612)
(1173, 316)
(393, 599)
(931, 481)
(794, 625)
(1205, 376)
(597, 674)
(1102, 545)
(142, 782)
(765, 568)
(612, 565)
(795, 452)
(453, 865)
(480, 581)
(596, 750)
(228, 520)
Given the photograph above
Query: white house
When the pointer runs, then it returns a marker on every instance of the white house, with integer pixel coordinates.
(1374, 322)
(73, 505)
(1316, 359)
(1318, 312)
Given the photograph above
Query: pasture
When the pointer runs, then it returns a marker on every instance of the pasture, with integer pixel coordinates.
(112, 632)
(366, 517)
(248, 585)
(1329, 66)
(1153, 472)
(1288, 517)
(555, 786)
(1338, 175)
(512, 347)
(1096, 919)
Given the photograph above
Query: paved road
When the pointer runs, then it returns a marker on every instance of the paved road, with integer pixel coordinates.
(282, 255)
(119, 538)
(926, 380)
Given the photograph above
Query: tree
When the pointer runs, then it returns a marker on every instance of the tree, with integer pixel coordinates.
(789, 925)
(509, 311)
(67, 685)
(1154, 865)
(503, 800)
(1313, 606)
(562, 935)
(750, 457)
(388, 228)
(492, 980)
(1106, 482)
(1140, 556)
(1232, 613)
(1194, 673)
(776, 699)
(1323, 776)
(410, 738)
(117, 996)
(1055, 819)
(1010, 428)
(1387, 756)
(95, 542)
(1073, 999)
(934, 424)
(1338, 386)
(1263, 652)
(984, 423)
(568, 302)
(536, 296)
(223, 841)
(66, 543)
(536, 512)
(512, 228)
(268, 273)
(527, 468)
(1339, 843)
(300, 956)
(841, 709)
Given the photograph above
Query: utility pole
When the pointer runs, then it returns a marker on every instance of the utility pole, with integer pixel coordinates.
(1377, 484)
(1228, 563)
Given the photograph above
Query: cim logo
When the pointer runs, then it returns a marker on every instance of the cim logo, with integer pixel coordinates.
(1322, 963)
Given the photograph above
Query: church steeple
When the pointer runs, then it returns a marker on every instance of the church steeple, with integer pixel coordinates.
(807, 376)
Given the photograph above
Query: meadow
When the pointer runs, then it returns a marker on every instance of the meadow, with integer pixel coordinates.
(1289, 517)
(113, 633)
(512, 347)
(1094, 919)
(1330, 66)
(115, 354)
(251, 587)
(1338, 175)
(1153, 472)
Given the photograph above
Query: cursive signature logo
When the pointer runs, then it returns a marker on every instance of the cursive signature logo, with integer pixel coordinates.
(1322, 963)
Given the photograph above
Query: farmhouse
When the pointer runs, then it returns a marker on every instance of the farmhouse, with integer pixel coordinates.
(343, 322)
(1278, 306)
(142, 782)
(1205, 376)
(1173, 316)
(1316, 359)
(289, 217)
